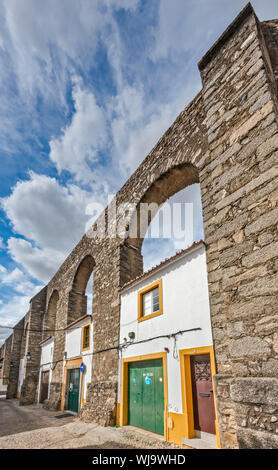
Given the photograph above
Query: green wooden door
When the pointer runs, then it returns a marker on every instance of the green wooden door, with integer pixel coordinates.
(73, 389)
(146, 395)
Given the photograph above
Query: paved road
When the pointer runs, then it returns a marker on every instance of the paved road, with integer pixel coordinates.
(15, 419)
(80, 435)
(32, 427)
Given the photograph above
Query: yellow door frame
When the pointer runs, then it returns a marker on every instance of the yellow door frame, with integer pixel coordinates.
(124, 386)
(69, 365)
(186, 388)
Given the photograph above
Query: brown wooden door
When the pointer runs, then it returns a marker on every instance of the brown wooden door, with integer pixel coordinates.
(203, 403)
(44, 386)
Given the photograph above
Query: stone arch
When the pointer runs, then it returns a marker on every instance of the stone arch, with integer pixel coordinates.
(25, 338)
(49, 320)
(168, 183)
(77, 304)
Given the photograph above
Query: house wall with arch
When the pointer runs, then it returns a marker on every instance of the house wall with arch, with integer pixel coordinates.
(6, 360)
(227, 139)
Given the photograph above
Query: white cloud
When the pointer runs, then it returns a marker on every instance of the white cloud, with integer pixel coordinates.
(82, 138)
(2, 269)
(13, 310)
(43, 37)
(42, 46)
(193, 25)
(51, 215)
(183, 231)
(19, 282)
(41, 263)
(139, 122)
(124, 4)
(4, 334)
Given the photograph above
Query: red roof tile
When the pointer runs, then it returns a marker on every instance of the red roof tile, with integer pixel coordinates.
(163, 263)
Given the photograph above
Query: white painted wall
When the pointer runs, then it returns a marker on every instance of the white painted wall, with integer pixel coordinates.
(47, 350)
(73, 349)
(3, 388)
(185, 301)
(21, 374)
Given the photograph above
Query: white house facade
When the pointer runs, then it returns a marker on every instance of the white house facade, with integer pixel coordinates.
(46, 367)
(77, 365)
(166, 359)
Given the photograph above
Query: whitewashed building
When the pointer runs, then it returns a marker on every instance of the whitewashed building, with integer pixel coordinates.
(166, 361)
(46, 367)
(77, 364)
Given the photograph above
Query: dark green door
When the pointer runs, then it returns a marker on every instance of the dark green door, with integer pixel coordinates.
(73, 389)
(146, 395)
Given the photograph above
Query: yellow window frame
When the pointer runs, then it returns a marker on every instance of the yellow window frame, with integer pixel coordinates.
(147, 289)
(85, 348)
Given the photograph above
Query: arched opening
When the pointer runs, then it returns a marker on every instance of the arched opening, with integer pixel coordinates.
(80, 297)
(23, 354)
(176, 226)
(171, 300)
(89, 294)
(25, 339)
(153, 230)
(49, 320)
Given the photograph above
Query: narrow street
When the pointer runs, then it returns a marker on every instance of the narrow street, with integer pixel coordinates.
(32, 427)
(16, 419)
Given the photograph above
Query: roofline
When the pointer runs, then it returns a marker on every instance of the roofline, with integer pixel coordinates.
(47, 339)
(166, 262)
(77, 321)
(229, 31)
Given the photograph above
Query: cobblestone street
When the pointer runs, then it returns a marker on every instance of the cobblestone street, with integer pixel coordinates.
(16, 419)
(32, 427)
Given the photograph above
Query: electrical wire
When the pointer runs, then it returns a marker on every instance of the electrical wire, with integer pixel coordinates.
(123, 346)
(39, 330)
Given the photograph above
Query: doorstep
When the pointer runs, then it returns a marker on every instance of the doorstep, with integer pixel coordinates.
(202, 440)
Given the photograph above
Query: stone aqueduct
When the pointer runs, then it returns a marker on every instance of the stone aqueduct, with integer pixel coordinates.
(227, 139)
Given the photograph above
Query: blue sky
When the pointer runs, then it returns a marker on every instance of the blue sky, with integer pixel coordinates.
(87, 88)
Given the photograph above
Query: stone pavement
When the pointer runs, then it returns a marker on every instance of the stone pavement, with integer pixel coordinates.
(16, 419)
(33, 427)
(78, 434)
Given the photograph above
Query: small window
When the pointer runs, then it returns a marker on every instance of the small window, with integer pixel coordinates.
(150, 301)
(86, 337)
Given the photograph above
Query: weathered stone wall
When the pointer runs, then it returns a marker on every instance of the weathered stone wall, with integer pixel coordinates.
(49, 318)
(15, 359)
(2, 353)
(33, 339)
(6, 359)
(239, 184)
(270, 32)
(226, 138)
(24, 339)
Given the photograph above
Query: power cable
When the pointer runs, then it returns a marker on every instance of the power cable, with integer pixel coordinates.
(125, 345)
(40, 330)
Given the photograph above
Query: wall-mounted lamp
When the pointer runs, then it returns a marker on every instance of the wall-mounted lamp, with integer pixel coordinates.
(28, 356)
(65, 355)
(11, 364)
(131, 335)
(166, 349)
